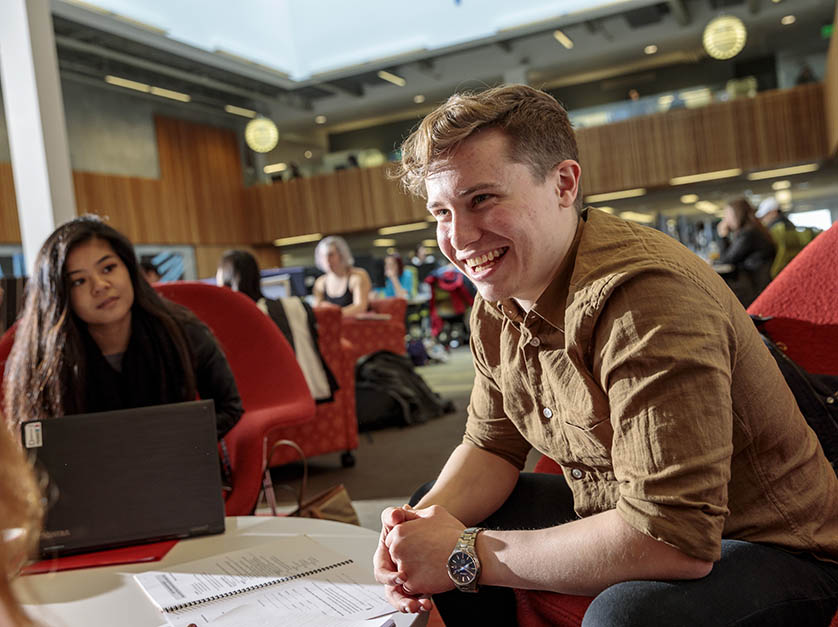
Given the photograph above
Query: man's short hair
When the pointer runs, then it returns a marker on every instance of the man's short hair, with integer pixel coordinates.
(539, 131)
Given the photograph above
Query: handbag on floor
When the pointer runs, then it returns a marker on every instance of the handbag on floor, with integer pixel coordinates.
(331, 504)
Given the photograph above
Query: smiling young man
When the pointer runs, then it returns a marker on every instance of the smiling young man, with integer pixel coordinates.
(693, 491)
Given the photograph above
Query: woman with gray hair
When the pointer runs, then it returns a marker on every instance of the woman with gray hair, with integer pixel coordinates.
(342, 285)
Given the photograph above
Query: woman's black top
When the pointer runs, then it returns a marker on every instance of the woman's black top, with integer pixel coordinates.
(151, 372)
(344, 300)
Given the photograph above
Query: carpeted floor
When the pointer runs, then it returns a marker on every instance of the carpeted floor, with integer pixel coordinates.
(392, 463)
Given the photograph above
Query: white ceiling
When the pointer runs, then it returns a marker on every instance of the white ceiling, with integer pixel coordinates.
(218, 62)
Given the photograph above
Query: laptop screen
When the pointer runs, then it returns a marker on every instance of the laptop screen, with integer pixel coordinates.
(128, 476)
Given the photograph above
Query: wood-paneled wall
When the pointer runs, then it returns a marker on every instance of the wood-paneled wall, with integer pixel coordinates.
(9, 226)
(346, 201)
(206, 257)
(199, 198)
(831, 88)
(774, 128)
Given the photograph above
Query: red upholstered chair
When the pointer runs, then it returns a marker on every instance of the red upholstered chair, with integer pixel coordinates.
(274, 392)
(335, 427)
(803, 303)
(803, 300)
(367, 336)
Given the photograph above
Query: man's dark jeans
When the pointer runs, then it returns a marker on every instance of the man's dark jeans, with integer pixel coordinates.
(752, 585)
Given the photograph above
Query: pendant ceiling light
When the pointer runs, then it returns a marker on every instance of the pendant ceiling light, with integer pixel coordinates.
(724, 37)
(261, 134)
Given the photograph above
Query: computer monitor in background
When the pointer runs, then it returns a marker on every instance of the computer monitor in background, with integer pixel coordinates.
(299, 278)
(276, 287)
(374, 267)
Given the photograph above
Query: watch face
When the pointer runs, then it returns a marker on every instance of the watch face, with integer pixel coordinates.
(462, 568)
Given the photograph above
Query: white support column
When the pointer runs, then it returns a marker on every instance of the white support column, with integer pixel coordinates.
(35, 121)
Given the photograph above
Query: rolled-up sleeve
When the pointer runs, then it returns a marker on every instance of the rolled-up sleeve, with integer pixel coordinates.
(488, 426)
(663, 354)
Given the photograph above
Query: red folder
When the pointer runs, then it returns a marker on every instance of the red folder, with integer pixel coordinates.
(152, 552)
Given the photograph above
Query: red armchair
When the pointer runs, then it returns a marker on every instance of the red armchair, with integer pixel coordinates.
(803, 303)
(335, 427)
(274, 392)
(367, 336)
(803, 300)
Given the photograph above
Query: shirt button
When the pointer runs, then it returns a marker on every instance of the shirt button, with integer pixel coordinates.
(535, 342)
(576, 473)
(548, 413)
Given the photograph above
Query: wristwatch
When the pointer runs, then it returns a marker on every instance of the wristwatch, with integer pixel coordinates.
(463, 565)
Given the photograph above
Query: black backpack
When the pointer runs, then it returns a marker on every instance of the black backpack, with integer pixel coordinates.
(816, 395)
(389, 392)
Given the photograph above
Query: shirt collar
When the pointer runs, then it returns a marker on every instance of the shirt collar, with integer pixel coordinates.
(551, 304)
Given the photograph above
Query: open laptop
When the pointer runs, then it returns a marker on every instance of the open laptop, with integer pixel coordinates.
(128, 476)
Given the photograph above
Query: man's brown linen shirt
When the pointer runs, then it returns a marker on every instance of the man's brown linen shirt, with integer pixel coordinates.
(638, 371)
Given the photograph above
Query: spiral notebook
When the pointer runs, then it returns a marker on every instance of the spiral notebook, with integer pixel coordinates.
(293, 580)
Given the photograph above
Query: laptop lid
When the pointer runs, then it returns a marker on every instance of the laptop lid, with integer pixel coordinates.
(128, 476)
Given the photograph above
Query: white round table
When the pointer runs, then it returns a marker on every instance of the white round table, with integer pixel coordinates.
(107, 596)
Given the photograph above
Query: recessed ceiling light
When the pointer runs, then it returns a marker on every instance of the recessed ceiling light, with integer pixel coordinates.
(170, 94)
(129, 84)
(245, 113)
(275, 167)
(402, 228)
(320, 119)
(706, 206)
(705, 176)
(563, 39)
(418, 98)
(783, 196)
(634, 216)
(688, 199)
(724, 37)
(778, 185)
(790, 171)
(384, 75)
(307, 154)
(297, 239)
(383, 242)
(650, 49)
(429, 243)
(788, 20)
(625, 193)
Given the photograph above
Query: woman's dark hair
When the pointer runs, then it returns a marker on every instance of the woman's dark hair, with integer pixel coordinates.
(744, 213)
(240, 272)
(46, 374)
(399, 262)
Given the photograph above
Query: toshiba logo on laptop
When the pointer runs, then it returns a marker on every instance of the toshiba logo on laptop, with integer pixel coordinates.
(51, 534)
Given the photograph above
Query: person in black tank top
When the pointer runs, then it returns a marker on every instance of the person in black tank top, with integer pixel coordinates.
(342, 284)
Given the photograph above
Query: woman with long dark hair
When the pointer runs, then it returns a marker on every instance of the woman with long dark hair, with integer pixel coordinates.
(750, 250)
(95, 336)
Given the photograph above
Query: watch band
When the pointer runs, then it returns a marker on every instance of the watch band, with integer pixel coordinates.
(466, 544)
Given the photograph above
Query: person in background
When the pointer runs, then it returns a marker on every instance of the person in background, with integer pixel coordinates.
(21, 512)
(693, 492)
(95, 336)
(787, 238)
(424, 261)
(342, 284)
(150, 271)
(750, 250)
(239, 270)
(399, 282)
